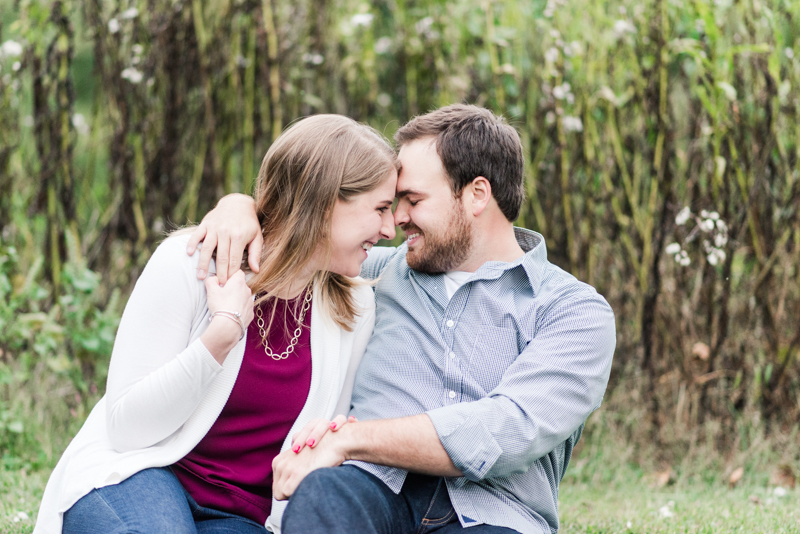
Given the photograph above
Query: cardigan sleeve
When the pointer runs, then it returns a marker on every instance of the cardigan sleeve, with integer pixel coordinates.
(361, 335)
(157, 377)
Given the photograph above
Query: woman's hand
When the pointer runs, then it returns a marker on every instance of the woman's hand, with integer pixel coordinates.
(225, 331)
(316, 428)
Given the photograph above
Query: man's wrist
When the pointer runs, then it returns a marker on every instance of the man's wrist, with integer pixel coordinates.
(236, 198)
(344, 441)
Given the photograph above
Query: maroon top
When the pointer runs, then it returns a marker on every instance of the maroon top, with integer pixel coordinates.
(231, 468)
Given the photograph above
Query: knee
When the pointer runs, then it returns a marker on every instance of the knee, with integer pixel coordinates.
(326, 481)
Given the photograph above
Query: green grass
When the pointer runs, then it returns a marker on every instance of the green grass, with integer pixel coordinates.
(584, 508)
(637, 508)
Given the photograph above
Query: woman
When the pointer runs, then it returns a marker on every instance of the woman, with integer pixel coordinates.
(199, 400)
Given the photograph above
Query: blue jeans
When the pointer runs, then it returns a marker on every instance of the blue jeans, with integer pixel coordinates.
(151, 501)
(346, 500)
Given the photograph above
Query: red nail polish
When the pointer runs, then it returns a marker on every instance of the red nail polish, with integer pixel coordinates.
(296, 449)
(333, 426)
(310, 442)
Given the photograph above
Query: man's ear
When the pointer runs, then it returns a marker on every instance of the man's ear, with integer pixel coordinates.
(478, 195)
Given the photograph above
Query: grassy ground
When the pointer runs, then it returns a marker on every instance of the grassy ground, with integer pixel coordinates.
(627, 508)
(705, 510)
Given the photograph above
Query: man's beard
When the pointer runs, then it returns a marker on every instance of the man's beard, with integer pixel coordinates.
(443, 249)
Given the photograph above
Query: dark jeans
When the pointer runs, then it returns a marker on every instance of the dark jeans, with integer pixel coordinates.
(151, 501)
(346, 500)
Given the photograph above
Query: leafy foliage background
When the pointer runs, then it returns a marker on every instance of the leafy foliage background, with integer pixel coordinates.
(122, 118)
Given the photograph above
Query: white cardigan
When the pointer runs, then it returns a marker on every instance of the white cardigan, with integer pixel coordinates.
(165, 389)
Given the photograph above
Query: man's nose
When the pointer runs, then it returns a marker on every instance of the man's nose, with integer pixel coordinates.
(401, 214)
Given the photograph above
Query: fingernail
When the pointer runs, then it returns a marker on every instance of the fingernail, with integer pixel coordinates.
(333, 426)
(310, 442)
(351, 418)
(201, 273)
(296, 449)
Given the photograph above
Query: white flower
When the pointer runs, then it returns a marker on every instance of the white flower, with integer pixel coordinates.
(132, 75)
(362, 19)
(113, 25)
(383, 45)
(621, 27)
(682, 258)
(683, 216)
(137, 49)
(555, 34)
(550, 118)
(716, 256)
(779, 492)
(10, 49)
(720, 240)
(16, 66)
(707, 225)
(80, 124)
(665, 511)
(551, 55)
(704, 214)
(572, 124)
(630, 524)
(700, 25)
(559, 92)
(128, 14)
(672, 248)
(314, 59)
(713, 215)
(789, 53)
(721, 226)
(424, 25)
(384, 100)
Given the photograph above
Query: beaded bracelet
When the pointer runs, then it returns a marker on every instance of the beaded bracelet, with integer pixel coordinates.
(233, 316)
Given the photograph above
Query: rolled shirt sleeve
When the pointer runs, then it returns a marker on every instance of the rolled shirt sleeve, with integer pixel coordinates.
(544, 396)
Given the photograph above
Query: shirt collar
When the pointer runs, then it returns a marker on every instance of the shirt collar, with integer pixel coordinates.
(533, 262)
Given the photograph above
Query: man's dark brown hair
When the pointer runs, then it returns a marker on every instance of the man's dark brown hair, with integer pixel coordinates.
(472, 142)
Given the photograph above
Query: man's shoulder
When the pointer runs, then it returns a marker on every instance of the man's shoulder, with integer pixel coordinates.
(560, 289)
(380, 258)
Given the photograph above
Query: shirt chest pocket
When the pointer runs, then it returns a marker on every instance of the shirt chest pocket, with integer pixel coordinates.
(493, 350)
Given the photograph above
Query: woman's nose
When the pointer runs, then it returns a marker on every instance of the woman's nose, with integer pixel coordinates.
(387, 229)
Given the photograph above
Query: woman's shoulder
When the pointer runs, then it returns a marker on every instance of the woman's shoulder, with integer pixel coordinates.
(363, 293)
(172, 253)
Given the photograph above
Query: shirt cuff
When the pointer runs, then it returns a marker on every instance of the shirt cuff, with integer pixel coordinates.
(470, 445)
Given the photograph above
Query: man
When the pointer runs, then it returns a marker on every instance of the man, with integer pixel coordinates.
(484, 363)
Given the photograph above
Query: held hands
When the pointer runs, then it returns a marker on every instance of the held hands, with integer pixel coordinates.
(289, 468)
(229, 228)
(313, 432)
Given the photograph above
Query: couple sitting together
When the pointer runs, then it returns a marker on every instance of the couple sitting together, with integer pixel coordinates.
(466, 362)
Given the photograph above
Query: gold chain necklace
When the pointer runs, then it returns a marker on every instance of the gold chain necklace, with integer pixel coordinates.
(290, 349)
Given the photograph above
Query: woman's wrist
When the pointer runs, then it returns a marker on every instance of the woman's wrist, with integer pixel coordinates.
(221, 336)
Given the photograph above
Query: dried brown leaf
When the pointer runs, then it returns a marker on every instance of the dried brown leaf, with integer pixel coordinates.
(701, 350)
(736, 476)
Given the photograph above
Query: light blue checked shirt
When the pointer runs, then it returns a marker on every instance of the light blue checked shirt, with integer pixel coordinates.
(508, 370)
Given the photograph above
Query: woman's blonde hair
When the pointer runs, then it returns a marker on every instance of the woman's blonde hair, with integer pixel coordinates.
(314, 162)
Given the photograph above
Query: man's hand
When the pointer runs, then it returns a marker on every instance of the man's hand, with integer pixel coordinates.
(229, 228)
(290, 468)
(408, 443)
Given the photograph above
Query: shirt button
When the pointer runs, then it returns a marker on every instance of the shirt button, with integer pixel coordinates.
(452, 394)
(450, 324)
(452, 354)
